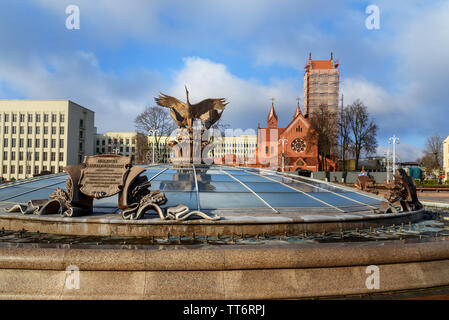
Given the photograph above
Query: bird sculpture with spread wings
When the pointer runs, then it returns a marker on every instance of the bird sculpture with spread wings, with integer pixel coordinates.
(185, 113)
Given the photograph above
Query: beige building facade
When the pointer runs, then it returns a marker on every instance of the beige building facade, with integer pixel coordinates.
(123, 143)
(43, 135)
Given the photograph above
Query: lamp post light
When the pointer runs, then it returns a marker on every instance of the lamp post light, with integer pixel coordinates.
(283, 141)
(153, 133)
(394, 141)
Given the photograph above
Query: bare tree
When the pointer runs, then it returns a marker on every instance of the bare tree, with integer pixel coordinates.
(323, 133)
(141, 147)
(155, 118)
(363, 130)
(433, 154)
(344, 134)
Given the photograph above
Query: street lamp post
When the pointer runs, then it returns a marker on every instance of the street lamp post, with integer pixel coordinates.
(153, 133)
(283, 141)
(394, 141)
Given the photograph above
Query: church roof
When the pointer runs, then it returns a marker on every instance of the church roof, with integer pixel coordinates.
(272, 112)
(322, 64)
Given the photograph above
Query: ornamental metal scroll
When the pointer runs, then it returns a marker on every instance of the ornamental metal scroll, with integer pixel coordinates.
(117, 176)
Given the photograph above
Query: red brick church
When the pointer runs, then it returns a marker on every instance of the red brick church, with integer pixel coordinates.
(320, 86)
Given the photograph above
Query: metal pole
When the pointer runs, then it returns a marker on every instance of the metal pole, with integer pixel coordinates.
(388, 165)
(394, 140)
(283, 141)
(153, 144)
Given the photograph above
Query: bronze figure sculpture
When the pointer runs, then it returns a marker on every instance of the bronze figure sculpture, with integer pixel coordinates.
(184, 114)
(208, 111)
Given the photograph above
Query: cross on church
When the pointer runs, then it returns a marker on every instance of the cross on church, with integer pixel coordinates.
(272, 100)
(298, 99)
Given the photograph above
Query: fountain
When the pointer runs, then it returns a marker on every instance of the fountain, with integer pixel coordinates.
(199, 231)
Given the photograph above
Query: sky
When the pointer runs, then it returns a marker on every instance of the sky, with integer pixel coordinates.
(247, 51)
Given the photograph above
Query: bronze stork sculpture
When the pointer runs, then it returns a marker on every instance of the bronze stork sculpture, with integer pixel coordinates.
(209, 111)
(184, 114)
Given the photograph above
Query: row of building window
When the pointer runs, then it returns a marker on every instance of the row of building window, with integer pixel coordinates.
(110, 150)
(21, 117)
(37, 130)
(12, 169)
(116, 141)
(12, 156)
(37, 143)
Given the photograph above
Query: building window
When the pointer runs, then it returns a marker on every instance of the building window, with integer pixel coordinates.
(53, 118)
(20, 169)
(5, 169)
(5, 155)
(13, 142)
(28, 170)
(61, 169)
(98, 150)
(98, 142)
(36, 170)
(14, 131)
(38, 118)
(6, 117)
(38, 130)
(5, 143)
(53, 130)
(22, 118)
(30, 118)
(53, 143)
(45, 130)
(103, 142)
(14, 118)
(13, 169)
(61, 156)
(61, 118)
(29, 155)
(30, 130)
(36, 156)
(22, 130)
(45, 143)
(81, 134)
(37, 143)
(13, 156)
(21, 143)
(20, 155)
(81, 146)
(81, 123)
(45, 117)
(53, 156)
(45, 156)
(5, 130)
(61, 130)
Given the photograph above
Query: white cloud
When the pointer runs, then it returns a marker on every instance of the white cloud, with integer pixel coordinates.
(404, 151)
(249, 100)
(116, 100)
(375, 97)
